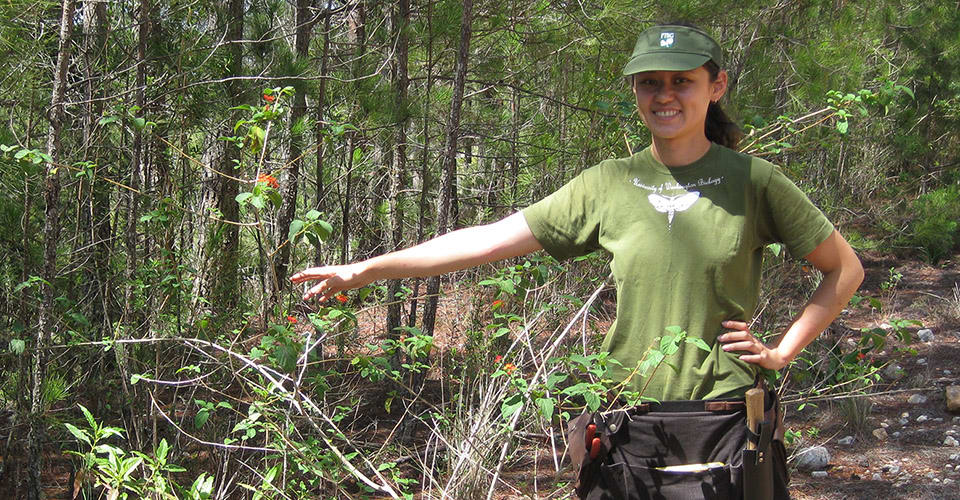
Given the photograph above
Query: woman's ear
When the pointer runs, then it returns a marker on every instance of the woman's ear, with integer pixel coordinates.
(718, 87)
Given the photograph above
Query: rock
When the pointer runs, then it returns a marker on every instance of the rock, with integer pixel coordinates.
(880, 434)
(905, 415)
(886, 326)
(922, 418)
(904, 421)
(884, 424)
(922, 361)
(948, 481)
(819, 474)
(925, 335)
(948, 467)
(877, 476)
(845, 441)
(955, 457)
(893, 371)
(917, 399)
(956, 420)
(947, 372)
(896, 435)
(931, 475)
(953, 399)
(813, 458)
(951, 441)
(892, 469)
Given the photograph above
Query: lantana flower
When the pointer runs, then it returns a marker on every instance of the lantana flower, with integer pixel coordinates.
(268, 180)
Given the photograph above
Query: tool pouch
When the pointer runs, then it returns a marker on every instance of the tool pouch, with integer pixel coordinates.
(646, 451)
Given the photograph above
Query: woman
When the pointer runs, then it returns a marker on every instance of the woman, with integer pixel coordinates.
(686, 221)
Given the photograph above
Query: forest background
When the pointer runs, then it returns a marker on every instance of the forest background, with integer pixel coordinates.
(167, 163)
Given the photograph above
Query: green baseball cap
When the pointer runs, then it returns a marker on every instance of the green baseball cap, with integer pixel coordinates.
(672, 48)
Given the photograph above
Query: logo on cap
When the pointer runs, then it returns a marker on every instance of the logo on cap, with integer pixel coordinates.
(666, 39)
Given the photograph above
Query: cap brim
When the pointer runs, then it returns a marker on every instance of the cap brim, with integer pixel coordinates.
(664, 61)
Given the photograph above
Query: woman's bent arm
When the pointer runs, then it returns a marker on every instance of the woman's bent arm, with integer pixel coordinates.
(467, 247)
(842, 275)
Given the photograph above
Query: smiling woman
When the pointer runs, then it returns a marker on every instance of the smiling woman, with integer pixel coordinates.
(686, 221)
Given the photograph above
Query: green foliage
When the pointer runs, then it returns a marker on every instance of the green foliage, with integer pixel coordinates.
(935, 228)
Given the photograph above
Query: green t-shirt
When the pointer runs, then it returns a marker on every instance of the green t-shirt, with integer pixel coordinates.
(687, 245)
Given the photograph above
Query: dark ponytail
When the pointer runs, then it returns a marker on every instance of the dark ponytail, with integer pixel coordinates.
(719, 128)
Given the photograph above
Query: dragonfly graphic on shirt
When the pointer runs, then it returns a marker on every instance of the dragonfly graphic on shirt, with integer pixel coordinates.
(670, 205)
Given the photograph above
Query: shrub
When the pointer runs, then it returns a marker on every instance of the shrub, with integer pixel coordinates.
(935, 229)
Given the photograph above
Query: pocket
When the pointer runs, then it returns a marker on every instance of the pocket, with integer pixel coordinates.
(635, 482)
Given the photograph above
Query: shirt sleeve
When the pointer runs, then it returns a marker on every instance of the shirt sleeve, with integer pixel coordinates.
(567, 222)
(791, 218)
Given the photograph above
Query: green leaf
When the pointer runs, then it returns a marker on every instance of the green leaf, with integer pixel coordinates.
(258, 202)
(201, 418)
(312, 215)
(843, 126)
(88, 416)
(323, 229)
(546, 407)
(162, 449)
(275, 198)
(511, 405)
(107, 120)
(243, 197)
(698, 342)
(775, 248)
(17, 346)
(554, 379)
(593, 400)
(500, 333)
(139, 123)
(77, 433)
(295, 227)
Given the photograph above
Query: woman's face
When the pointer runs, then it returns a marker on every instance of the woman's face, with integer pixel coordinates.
(673, 104)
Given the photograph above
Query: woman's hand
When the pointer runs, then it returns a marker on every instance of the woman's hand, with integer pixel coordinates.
(333, 280)
(756, 352)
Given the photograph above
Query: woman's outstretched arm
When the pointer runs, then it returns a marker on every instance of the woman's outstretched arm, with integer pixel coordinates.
(842, 275)
(467, 247)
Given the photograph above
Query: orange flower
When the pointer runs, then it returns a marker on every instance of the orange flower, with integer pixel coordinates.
(861, 356)
(292, 320)
(269, 98)
(341, 298)
(498, 358)
(509, 368)
(497, 304)
(268, 180)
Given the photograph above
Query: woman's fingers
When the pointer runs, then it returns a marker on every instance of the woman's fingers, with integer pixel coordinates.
(310, 274)
(742, 346)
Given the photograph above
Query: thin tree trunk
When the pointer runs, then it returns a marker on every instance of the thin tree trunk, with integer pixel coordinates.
(450, 158)
(398, 176)
(321, 109)
(133, 318)
(424, 206)
(358, 22)
(51, 237)
(297, 112)
(222, 241)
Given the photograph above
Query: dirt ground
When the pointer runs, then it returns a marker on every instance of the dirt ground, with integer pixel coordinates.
(925, 293)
